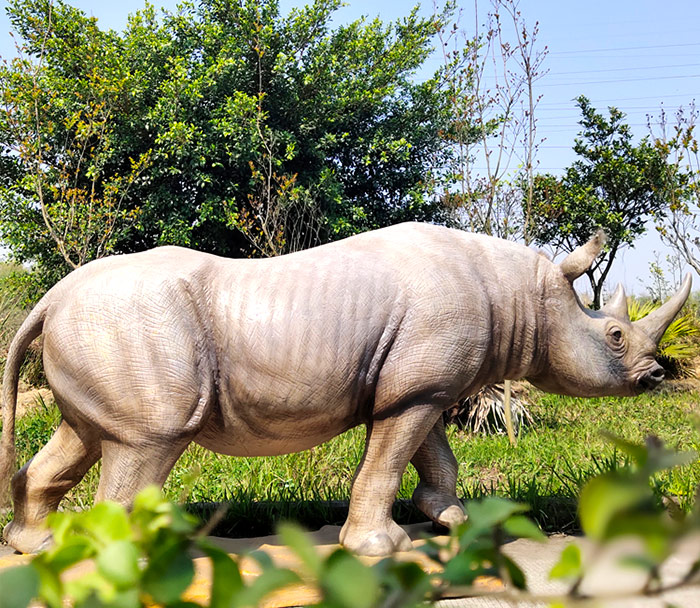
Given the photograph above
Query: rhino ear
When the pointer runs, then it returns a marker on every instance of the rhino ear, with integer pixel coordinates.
(580, 260)
(616, 306)
(654, 324)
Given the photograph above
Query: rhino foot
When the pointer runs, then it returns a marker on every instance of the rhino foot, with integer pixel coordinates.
(26, 539)
(443, 509)
(375, 542)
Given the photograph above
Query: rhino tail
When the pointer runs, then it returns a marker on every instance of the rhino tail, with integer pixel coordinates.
(28, 331)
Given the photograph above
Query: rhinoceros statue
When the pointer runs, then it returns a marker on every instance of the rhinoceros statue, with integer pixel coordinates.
(148, 352)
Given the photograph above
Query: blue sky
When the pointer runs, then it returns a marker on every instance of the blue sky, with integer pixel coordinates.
(634, 54)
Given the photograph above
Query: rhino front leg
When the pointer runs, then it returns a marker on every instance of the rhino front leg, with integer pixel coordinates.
(370, 529)
(436, 494)
(39, 486)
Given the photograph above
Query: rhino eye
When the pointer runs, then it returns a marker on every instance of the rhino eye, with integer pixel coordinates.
(615, 337)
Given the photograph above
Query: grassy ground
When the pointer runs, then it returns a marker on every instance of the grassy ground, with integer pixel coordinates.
(552, 460)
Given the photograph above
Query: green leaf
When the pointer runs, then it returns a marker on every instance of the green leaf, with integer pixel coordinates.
(347, 582)
(270, 580)
(226, 577)
(73, 550)
(118, 562)
(492, 510)
(638, 562)
(90, 589)
(50, 586)
(521, 526)
(60, 524)
(294, 537)
(603, 497)
(148, 499)
(515, 573)
(569, 566)
(18, 586)
(636, 451)
(410, 575)
(128, 598)
(463, 569)
(262, 558)
(652, 528)
(107, 522)
(169, 573)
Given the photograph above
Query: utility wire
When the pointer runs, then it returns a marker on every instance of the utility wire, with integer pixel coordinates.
(689, 96)
(625, 48)
(563, 84)
(651, 67)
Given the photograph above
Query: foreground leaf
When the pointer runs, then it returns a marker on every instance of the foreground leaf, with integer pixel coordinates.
(18, 586)
(349, 583)
(569, 566)
(604, 497)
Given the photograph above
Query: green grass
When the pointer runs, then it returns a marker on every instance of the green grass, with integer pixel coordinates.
(546, 469)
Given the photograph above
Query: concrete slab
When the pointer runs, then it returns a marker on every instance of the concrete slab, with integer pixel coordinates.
(615, 585)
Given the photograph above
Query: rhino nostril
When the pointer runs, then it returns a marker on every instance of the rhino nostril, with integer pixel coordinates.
(652, 378)
(657, 374)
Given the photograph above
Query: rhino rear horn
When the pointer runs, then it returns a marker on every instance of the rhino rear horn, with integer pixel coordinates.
(580, 259)
(654, 324)
(616, 306)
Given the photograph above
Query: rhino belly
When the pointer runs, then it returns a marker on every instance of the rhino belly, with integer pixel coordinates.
(278, 424)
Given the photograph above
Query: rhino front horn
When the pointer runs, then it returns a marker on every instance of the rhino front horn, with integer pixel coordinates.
(654, 325)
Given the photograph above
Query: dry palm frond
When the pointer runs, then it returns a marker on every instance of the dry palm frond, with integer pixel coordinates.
(484, 412)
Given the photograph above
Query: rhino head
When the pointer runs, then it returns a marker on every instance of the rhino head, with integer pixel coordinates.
(592, 353)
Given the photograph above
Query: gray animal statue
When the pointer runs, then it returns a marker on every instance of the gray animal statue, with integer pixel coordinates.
(148, 352)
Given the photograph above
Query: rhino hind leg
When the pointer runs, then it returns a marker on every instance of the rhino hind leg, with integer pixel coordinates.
(436, 494)
(128, 468)
(391, 441)
(41, 484)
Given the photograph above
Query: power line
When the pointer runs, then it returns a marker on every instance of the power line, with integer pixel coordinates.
(690, 96)
(652, 67)
(563, 84)
(625, 48)
(626, 109)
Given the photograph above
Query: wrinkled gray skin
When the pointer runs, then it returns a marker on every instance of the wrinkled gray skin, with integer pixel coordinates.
(148, 352)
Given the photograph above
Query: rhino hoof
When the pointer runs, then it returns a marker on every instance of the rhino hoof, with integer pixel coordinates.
(376, 544)
(27, 540)
(451, 517)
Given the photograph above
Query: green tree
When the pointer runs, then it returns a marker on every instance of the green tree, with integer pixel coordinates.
(59, 177)
(224, 126)
(614, 185)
